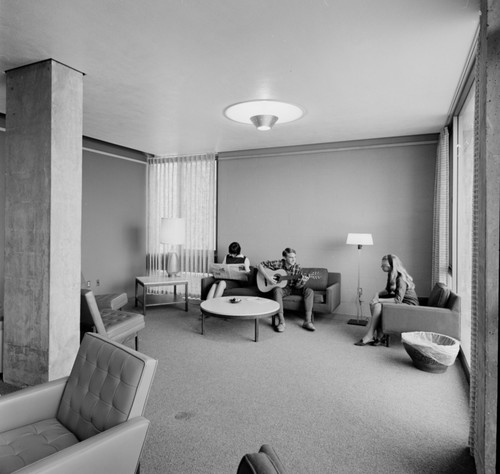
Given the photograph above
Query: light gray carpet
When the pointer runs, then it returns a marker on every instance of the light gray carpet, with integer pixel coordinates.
(326, 405)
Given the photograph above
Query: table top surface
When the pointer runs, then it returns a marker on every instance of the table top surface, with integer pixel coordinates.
(248, 306)
(160, 280)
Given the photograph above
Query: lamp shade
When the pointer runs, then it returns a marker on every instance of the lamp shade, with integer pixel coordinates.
(173, 230)
(264, 122)
(359, 239)
(263, 113)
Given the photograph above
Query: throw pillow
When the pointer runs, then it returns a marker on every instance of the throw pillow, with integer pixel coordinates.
(318, 278)
(439, 295)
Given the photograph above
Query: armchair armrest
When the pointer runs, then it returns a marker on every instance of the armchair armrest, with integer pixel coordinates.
(115, 450)
(206, 283)
(31, 404)
(397, 318)
(332, 296)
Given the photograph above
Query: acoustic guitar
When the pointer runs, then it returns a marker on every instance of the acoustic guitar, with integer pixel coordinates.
(280, 276)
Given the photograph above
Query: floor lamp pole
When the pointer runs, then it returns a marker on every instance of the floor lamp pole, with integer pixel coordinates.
(359, 321)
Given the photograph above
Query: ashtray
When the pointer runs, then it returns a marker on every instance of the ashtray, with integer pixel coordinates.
(235, 300)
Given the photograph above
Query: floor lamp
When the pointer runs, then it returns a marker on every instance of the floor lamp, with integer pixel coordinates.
(359, 240)
(173, 232)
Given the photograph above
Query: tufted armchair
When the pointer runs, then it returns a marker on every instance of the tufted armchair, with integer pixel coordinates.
(120, 326)
(107, 301)
(266, 461)
(89, 422)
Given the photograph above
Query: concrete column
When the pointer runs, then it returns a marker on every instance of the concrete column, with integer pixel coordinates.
(488, 223)
(42, 222)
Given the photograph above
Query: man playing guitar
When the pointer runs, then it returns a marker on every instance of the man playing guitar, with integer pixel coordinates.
(295, 285)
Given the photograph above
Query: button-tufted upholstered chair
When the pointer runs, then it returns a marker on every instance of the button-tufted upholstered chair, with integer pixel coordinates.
(89, 422)
(266, 461)
(120, 326)
(109, 300)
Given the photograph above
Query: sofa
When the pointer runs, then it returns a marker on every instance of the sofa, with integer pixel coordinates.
(326, 286)
(439, 313)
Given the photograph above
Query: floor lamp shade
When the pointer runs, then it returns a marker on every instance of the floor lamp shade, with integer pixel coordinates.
(173, 232)
(359, 240)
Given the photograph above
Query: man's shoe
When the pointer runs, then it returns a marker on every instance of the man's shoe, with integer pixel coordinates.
(309, 326)
(280, 327)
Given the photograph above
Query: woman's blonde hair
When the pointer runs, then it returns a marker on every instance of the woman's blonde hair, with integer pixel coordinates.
(397, 268)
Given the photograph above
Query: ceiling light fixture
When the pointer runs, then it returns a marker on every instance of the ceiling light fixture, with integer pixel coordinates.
(263, 113)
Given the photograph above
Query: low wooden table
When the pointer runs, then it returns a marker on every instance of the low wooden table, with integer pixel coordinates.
(250, 307)
(158, 300)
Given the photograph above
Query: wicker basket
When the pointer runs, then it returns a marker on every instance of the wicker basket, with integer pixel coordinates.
(429, 351)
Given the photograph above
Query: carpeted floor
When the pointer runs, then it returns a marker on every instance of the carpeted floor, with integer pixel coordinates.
(326, 405)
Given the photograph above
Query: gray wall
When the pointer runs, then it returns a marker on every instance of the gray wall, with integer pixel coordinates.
(311, 200)
(113, 222)
(308, 200)
(113, 217)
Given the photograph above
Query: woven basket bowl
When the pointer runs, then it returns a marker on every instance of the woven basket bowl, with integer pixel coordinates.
(422, 361)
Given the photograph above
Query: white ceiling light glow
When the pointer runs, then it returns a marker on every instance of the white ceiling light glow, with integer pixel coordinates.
(263, 113)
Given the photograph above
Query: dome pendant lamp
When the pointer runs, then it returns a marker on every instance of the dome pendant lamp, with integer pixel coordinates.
(263, 113)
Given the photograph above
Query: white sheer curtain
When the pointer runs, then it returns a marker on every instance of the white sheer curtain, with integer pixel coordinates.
(183, 186)
(440, 240)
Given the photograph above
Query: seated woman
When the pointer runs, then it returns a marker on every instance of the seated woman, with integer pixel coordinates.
(234, 257)
(400, 289)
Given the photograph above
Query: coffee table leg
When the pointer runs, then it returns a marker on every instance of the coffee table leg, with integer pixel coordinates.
(202, 323)
(256, 329)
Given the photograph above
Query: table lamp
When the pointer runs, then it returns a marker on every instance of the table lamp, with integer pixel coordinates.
(359, 240)
(173, 232)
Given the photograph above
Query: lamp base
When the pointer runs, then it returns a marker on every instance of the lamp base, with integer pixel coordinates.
(358, 322)
(173, 264)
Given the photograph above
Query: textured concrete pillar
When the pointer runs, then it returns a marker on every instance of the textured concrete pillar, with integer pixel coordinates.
(42, 222)
(485, 374)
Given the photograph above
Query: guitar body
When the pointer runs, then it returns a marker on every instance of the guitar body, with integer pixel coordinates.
(264, 285)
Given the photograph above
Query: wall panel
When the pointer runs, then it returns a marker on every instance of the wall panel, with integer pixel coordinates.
(311, 201)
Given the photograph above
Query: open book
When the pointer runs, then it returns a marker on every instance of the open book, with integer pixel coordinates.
(233, 271)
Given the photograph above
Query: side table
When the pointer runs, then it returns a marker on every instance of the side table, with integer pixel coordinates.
(154, 281)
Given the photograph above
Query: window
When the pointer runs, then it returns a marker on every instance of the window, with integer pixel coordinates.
(463, 184)
(185, 187)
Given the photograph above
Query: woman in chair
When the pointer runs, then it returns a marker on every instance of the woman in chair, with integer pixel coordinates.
(400, 289)
(234, 257)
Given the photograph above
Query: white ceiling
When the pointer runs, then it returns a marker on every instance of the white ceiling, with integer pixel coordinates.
(158, 73)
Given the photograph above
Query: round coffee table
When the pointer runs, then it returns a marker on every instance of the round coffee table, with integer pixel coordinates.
(249, 307)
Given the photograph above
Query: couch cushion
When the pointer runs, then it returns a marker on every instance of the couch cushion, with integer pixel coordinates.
(252, 278)
(319, 297)
(28, 444)
(439, 296)
(242, 291)
(318, 278)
